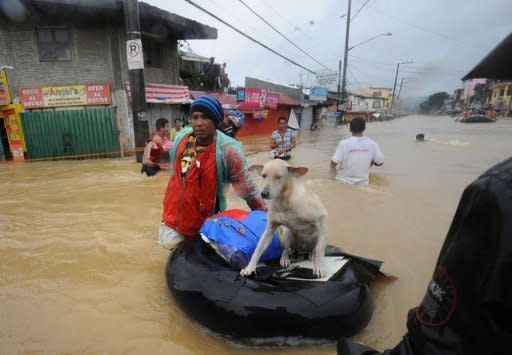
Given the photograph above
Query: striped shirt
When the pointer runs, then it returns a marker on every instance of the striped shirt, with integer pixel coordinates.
(283, 142)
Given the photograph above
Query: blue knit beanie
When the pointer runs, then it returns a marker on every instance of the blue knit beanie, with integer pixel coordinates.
(210, 106)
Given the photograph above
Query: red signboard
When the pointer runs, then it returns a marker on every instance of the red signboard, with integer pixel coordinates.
(254, 98)
(272, 100)
(31, 97)
(98, 94)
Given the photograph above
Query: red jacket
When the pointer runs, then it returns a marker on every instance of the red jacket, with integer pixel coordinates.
(190, 200)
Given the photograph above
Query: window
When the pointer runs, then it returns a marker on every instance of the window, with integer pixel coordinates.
(54, 44)
(376, 104)
(377, 94)
(152, 52)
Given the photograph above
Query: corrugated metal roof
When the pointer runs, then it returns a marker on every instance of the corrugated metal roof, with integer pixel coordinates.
(496, 65)
(231, 99)
(152, 19)
(223, 98)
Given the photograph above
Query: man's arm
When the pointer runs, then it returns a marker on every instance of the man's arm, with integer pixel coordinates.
(332, 170)
(378, 158)
(336, 159)
(243, 184)
(293, 144)
(273, 143)
(147, 152)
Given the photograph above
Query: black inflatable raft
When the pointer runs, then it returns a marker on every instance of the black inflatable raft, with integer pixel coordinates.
(476, 119)
(270, 305)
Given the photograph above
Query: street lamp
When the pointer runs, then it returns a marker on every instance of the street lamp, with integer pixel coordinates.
(348, 49)
(369, 39)
(394, 85)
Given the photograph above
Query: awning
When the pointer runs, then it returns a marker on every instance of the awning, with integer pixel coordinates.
(496, 65)
(227, 101)
(165, 94)
(195, 59)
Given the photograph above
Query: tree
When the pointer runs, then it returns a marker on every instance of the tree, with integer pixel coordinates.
(434, 102)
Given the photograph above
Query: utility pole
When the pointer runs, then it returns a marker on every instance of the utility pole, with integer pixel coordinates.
(400, 90)
(394, 85)
(135, 61)
(339, 80)
(345, 56)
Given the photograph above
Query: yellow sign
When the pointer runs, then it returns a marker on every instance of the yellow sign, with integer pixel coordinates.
(71, 95)
(5, 92)
(12, 123)
(65, 95)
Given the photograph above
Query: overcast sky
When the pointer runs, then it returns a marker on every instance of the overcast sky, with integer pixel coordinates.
(444, 39)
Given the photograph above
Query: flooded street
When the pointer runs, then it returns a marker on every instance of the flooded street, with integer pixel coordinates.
(81, 271)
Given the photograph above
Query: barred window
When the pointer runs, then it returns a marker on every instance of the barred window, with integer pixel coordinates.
(54, 44)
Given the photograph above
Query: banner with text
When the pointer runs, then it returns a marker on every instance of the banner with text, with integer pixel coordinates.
(65, 95)
(318, 93)
(327, 78)
(272, 100)
(254, 98)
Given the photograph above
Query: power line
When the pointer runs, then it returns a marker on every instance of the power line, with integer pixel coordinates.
(358, 11)
(282, 35)
(249, 37)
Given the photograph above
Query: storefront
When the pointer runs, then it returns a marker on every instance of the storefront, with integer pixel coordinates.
(67, 121)
(262, 110)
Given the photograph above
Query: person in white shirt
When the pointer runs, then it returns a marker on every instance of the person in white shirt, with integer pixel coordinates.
(354, 156)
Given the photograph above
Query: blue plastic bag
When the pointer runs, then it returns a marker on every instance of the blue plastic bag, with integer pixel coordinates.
(234, 234)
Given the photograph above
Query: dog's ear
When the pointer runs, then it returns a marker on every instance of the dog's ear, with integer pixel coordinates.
(256, 167)
(297, 171)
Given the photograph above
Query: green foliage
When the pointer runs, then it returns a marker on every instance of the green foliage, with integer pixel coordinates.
(434, 102)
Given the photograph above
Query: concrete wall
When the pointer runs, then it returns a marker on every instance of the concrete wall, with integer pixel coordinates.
(90, 50)
(98, 55)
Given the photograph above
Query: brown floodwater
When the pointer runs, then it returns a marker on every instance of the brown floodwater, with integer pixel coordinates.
(81, 272)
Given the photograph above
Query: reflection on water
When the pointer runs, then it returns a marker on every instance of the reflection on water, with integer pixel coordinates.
(81, 272)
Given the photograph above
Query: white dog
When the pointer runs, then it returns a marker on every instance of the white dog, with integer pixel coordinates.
(296, 208)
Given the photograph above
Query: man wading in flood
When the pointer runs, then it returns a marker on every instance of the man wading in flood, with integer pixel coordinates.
(203, 162)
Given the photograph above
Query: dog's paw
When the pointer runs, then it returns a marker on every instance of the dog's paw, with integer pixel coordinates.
(319, 271)
(285, 260)
(247, 271)
(311, 256)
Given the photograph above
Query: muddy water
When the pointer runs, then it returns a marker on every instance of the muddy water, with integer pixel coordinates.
(80, 271)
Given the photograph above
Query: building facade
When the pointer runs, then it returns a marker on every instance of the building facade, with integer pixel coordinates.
(66, 45)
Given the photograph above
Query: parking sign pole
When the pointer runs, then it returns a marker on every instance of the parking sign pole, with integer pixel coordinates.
(135, 59)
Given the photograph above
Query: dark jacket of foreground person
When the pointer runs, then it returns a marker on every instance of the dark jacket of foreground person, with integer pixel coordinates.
(467, 307)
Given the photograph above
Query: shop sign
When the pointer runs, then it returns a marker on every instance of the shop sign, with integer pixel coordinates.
(272, 101)
(65, 95)
(5, 93)
(240, 94)
(259, 114)
(14, 130)
(318, 93)
(327, 78)
(254, 98)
